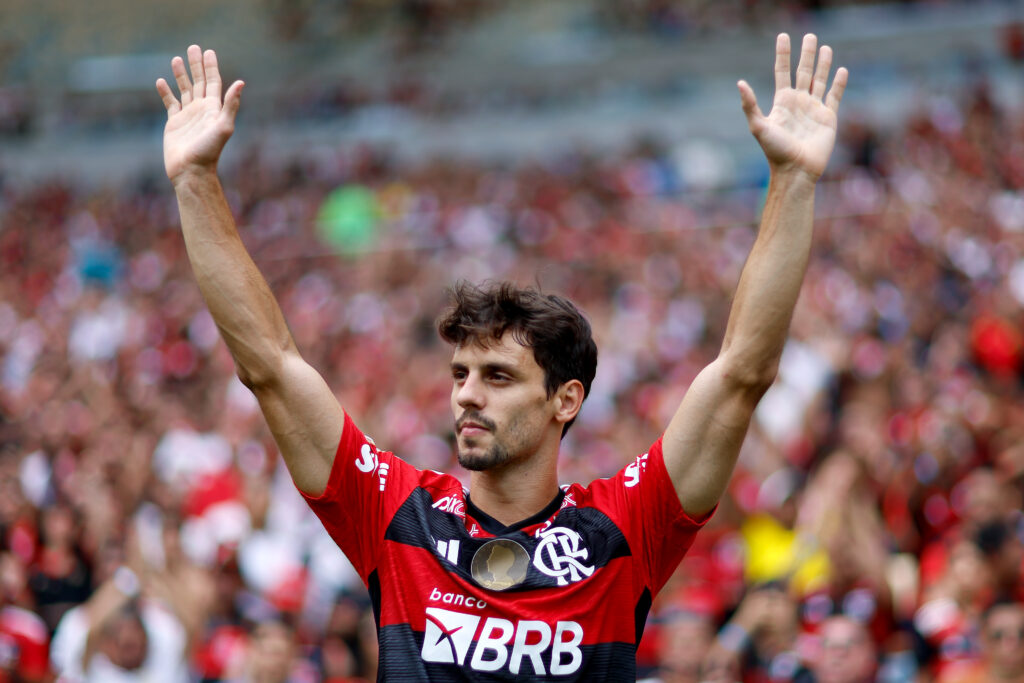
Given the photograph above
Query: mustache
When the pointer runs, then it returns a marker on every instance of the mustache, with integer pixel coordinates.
(476, 418)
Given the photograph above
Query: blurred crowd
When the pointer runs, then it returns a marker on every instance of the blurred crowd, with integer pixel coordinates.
(412, 26)
(407, 47)
(872, 531)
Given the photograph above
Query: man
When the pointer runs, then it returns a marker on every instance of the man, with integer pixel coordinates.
(847, 653)
(140, 622)
(272, 655)
(24, 637)
(113, 637)
(759, 642)
(684, 638)
(1002, 648)
(581, 564)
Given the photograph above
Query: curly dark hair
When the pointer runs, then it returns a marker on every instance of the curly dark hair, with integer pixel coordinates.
(552, 326)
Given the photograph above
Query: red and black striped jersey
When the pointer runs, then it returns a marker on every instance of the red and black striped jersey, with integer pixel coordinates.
(457, 595)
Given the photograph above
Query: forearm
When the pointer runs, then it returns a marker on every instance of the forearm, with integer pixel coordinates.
(239, 298)
(703, 439)
(770, 282)
(187, 593)
(111, 596)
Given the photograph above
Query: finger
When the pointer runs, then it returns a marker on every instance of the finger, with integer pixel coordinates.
(749, 103)
(213, 84)
(782, 74)
(233, 99)
(805, 69)
(195, 65)
(821, 72)
(835, 93)
(170, 101)
(181, 78)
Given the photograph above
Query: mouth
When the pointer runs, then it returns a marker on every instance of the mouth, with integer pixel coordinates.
(472, 429)
(467, 426)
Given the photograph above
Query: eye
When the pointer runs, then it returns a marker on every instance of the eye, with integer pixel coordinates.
(458, 374)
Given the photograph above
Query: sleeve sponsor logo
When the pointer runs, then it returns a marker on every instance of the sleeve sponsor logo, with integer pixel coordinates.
(560, 554)
(500, 644)
(634, 469)
(368, 462)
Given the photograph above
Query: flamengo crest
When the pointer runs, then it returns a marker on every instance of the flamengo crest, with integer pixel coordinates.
(560, 554)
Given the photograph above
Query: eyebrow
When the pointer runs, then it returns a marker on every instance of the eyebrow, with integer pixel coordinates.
(507, 368)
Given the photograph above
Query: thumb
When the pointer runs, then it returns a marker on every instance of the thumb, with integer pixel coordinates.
(233, 99)
(749, 103)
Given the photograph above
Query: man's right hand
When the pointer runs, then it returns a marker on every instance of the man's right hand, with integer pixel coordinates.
(199, 125)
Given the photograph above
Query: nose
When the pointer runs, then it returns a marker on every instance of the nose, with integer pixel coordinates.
(469, 392)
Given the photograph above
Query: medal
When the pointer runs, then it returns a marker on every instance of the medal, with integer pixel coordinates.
(500, 564)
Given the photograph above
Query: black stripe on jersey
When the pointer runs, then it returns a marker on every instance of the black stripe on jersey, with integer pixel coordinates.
(493, 526)
(373, 585)
(400, 661)
(643, 608)
(418, 524)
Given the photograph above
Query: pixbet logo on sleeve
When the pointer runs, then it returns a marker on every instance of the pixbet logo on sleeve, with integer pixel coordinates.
(451, 504)
(448, 638)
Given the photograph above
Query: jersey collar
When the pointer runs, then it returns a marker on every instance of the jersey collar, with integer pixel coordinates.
(496, 528)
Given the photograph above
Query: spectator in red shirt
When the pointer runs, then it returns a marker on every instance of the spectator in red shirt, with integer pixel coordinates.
(1002, 648)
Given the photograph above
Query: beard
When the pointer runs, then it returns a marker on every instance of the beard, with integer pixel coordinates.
(498, 454)
(495, 456)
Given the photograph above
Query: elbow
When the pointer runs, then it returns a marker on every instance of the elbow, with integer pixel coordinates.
(252, 379)
(262, 370)
(257, 377)
(751, 376)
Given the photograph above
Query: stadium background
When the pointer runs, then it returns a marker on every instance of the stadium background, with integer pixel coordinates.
(598, 148)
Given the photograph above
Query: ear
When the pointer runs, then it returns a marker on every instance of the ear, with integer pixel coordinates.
(568, 400)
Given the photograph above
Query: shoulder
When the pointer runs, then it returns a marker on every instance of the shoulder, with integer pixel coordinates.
(21, 622)
(163, 627)
(648, 463)
(74, 622)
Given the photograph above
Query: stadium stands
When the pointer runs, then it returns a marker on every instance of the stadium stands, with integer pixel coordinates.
(882, 480)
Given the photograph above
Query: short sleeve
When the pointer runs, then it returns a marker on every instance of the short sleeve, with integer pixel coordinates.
(643, 503)
(365, 488)
(68, 645)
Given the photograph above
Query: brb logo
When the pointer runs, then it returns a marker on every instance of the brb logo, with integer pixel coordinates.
(560, 554)
(449, 637)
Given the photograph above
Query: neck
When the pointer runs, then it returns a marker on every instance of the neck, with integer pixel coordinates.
(512, 493)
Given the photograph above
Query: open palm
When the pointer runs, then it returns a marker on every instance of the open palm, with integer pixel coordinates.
(199, 124)
(800, 130)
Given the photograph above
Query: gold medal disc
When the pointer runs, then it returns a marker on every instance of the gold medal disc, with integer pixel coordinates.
(500, 564)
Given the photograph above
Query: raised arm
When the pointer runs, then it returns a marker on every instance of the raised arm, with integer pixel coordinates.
(704, 437)
(300, 409)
